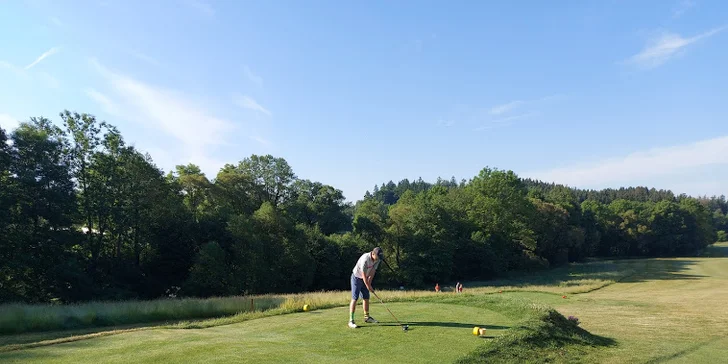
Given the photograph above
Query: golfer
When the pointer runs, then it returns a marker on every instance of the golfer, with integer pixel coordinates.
(361, 283)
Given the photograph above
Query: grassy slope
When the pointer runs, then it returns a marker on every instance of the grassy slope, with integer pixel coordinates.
(669, 310)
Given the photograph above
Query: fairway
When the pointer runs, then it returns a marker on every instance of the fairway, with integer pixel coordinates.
(437, 333)
(669, 311)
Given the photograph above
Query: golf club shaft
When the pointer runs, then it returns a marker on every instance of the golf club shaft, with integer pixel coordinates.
(385, 306)
(388, 266)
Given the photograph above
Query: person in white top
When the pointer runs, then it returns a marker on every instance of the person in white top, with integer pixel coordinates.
(361, 283)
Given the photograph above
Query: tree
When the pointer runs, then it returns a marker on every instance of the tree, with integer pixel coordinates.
(209, 275)
(37, 229)
(235, 192)
(85, 142)
(500, 210)
(551, 224)
(273, 177)
(194, 186)
(321, 205)
(370, 220)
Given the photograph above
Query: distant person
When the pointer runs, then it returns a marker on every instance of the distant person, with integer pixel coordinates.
(460, 287)
(361, 283)
(437, 287)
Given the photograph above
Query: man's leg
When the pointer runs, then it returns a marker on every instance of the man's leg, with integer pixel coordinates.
(367, 318)
(355, 290)
(352, 309)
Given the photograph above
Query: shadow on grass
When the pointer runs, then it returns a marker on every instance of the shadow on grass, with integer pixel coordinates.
(35, 339)
(719, 250)
(686, 351)
(8, 341)
(42, 355)
(413, 324)
(584, 274)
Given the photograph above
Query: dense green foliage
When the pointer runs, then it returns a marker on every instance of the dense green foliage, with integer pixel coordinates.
(85, 216)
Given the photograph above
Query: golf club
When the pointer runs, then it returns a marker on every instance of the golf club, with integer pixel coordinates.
(404, 327)
(388, 266)
(396, 273)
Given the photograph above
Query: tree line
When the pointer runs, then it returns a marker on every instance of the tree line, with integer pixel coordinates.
(84, 216)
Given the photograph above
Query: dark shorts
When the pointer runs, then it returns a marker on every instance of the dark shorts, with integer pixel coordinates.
(358, 288)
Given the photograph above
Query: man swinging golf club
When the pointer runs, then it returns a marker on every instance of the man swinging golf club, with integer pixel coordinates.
(361, 283)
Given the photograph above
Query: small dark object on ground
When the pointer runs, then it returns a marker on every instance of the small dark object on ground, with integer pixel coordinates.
(405, 327)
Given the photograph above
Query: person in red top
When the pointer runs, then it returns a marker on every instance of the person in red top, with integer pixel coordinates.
(437, 287)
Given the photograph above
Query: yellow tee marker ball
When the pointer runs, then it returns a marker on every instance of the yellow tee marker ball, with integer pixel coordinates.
(305, 307)
(476, 330)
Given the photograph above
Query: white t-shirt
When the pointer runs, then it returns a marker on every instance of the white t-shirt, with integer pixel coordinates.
(365, 261)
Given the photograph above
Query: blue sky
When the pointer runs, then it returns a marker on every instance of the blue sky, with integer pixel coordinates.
(352, 94)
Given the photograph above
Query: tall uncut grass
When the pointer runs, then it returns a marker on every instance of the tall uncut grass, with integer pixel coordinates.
(19, 318)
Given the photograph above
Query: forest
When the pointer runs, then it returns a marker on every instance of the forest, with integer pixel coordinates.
(85, 216)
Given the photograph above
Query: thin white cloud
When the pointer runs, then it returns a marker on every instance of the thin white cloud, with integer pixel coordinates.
(505, 121)
(49, 80)
(10, 67)
(681, 7)
(43, 56)
(641, 165)
(515, 117)
(252, 76)
(143, 57)
(8, 122)
(486, 127)
(102, 100)
(516, 104)
(201, 6)
(56, 21)
(501, 109)
(171, 112)
(247, 102)
(660, 49)
(261, 140)
(446, 123)
(43, 77)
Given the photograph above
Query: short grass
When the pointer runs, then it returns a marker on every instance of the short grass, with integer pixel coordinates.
(668, 311)
(633, 311)
(440, 330)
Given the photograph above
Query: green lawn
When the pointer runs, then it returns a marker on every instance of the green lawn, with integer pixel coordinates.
(668, 311)
(437, 332)
(641, 311)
